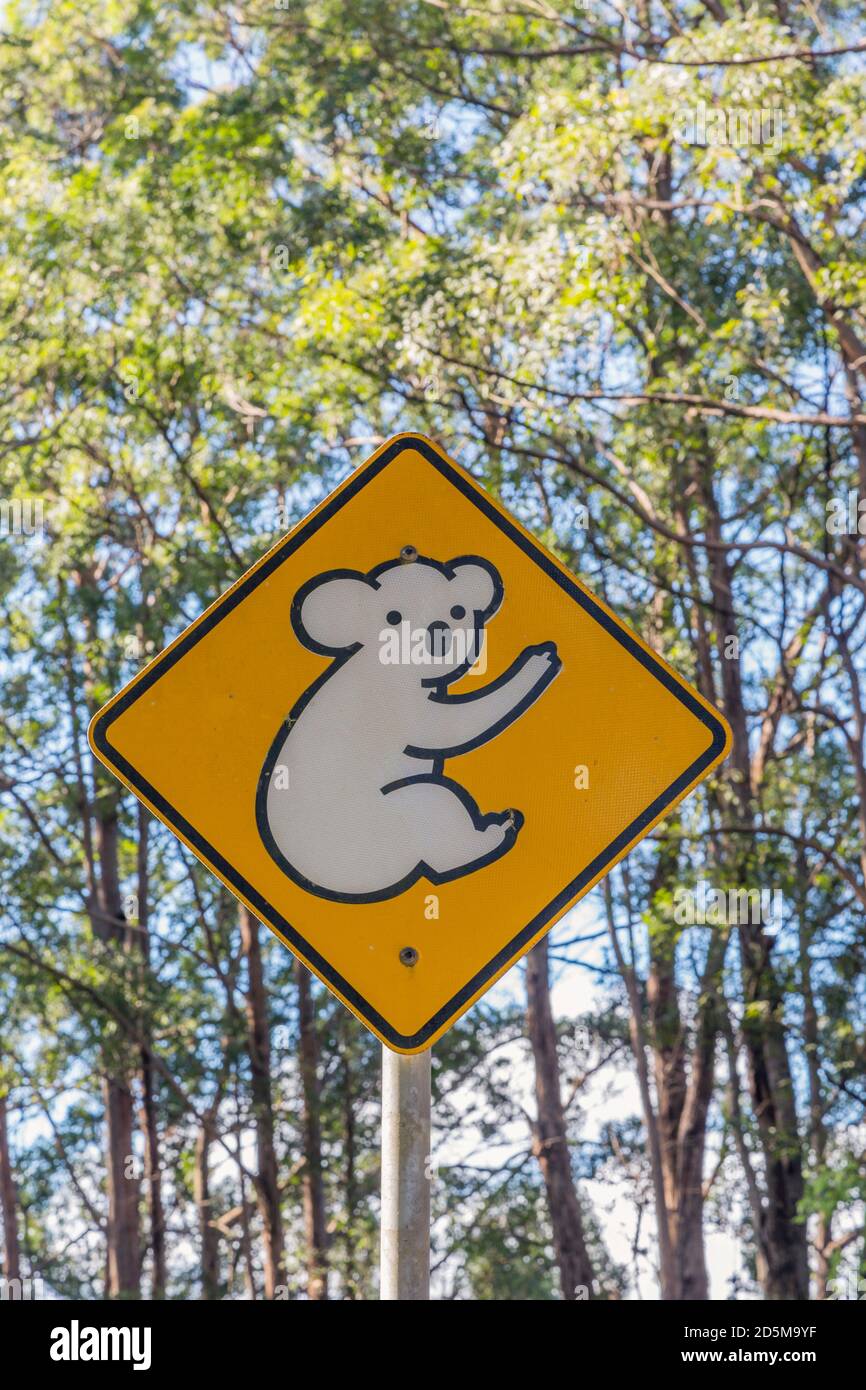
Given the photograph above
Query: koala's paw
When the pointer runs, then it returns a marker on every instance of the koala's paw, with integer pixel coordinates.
(542, 662)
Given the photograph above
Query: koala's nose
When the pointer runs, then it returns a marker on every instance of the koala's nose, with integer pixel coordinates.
(438, 640)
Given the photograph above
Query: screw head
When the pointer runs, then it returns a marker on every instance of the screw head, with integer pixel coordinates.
(408, 956)
(408, 554)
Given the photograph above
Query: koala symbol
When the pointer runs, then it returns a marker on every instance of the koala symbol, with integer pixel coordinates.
(352, 801)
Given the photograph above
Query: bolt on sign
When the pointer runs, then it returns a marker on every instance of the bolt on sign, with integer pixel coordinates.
(409, 740)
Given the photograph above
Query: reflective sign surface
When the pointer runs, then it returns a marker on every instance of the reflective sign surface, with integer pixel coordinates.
(409, 740)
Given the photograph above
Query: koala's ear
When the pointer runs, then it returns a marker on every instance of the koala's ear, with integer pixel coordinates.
(478, 584)
(330, 612)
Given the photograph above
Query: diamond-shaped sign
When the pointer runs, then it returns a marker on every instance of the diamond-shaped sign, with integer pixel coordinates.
(409, 740)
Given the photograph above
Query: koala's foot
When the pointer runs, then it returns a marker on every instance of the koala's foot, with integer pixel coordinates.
(451, 834)
(496, 838)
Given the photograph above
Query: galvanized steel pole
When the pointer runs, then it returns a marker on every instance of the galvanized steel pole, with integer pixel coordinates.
(405, 1237)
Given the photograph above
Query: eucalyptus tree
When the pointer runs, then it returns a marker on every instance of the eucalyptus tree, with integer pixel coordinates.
(614, 262)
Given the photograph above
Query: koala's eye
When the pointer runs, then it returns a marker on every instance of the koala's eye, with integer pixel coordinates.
(458, 611)
(393, 617)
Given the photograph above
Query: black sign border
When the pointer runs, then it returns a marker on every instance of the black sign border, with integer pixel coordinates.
(366, 473)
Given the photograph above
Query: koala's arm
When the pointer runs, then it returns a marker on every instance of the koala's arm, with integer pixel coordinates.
(455, 723)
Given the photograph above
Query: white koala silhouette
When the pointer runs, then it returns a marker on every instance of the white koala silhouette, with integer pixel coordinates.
(352, 801)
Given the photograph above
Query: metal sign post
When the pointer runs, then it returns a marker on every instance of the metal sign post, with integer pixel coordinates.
(405, 1236)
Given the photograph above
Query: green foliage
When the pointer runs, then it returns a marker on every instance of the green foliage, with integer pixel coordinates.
(237, 249)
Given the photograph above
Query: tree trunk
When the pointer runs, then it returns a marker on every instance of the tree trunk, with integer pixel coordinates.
(637, 1037)
(152, 1159)
(315, 1226)
(683, 1056)
(667, 1039)
(350, 1181)
(683, 1097)
(123, 1228)
(692, 1132)
(124, 1234)
(682, 1102)
(208, 1234)
(259, 1053)
(8, 1202)
(770, 1078)
(550, 1140)
(153, 1176)
(817, 1128)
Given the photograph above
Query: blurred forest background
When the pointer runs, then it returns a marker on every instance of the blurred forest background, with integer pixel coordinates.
(612, 259)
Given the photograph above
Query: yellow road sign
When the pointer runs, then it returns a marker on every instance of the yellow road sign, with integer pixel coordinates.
(409, 740)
